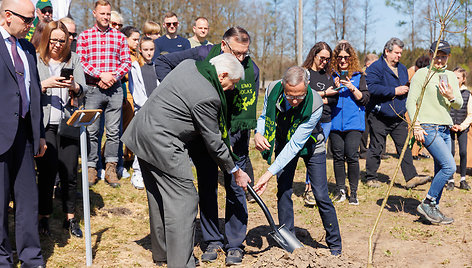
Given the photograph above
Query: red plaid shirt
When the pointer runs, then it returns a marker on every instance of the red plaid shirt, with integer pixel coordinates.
(103, 51)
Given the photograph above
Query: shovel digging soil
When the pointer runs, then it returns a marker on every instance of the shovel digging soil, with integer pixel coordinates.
(282, 235)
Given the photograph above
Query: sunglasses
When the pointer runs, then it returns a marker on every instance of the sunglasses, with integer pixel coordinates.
(26, 20)
(323, 59)
(175, 24)
(74, 35)
(46, 10)
(56, 41)
(343, 58)
(114, 24)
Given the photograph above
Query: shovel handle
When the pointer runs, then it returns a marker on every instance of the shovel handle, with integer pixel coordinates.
(263, 207)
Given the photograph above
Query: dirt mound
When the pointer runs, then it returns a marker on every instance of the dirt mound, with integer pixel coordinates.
(302, 258)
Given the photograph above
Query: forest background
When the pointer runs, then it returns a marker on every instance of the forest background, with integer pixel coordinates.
(272, 25)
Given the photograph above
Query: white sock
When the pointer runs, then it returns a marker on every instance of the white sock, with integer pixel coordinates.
(463, 178)
(451, 180)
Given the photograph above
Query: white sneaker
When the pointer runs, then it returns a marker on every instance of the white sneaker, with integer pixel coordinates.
(137, 181)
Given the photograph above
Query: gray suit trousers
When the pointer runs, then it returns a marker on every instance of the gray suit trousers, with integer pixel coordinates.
(172, 211)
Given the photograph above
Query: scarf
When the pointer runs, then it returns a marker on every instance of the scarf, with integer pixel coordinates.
(209, 72)
(243, 109)
(301, 114)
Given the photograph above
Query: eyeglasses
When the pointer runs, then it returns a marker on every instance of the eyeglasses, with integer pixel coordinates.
(46, 10)
(238, 54)
(346, 58)
(175, 24)
(57, 41)
(26, 20)
(114, 24)
(323, 59)
(301, 97)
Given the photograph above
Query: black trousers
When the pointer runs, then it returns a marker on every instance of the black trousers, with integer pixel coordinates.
(462, 141)
(61, 156)
(345, 147)
(236, 215)
(380, 127)
(17, 176)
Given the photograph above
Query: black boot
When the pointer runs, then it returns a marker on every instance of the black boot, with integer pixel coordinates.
(73, 226)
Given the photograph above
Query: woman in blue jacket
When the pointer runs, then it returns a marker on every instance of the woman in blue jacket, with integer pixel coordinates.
(348, 119)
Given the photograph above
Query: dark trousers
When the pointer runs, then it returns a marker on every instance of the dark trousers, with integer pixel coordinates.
(397, 128)
(345, 147)
(235, 210)
(462, 141)
(316, 169)
(62, 155)
(172, 214)
(17, 176)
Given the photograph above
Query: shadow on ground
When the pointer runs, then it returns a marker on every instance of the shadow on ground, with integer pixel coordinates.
(397, 203)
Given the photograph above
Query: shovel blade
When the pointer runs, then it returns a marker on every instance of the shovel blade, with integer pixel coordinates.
(286, 239)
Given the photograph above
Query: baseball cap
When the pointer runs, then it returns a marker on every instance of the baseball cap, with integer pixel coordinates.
(443, 46)
(43, 3)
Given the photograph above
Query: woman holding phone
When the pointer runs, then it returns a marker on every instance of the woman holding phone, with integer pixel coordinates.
(317, 63)
(62, 85)
(348, 119)
(432, 126)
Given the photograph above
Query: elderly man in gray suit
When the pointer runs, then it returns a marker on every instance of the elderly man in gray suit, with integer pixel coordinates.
(185, 114)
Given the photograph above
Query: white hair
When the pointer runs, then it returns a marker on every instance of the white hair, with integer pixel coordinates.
(228, 63)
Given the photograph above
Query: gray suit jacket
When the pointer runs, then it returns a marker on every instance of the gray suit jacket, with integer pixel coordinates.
(183, 109)
(44, 74)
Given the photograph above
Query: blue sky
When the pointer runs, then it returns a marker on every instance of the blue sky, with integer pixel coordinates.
(385, 27)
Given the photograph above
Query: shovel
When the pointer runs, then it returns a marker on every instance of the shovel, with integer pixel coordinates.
(282, 235)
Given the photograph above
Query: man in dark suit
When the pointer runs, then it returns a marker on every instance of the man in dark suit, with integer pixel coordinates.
(185, 115)
(21, 133)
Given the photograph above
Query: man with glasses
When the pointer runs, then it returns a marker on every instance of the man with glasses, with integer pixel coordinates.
(21, 135)
(387, 81)
(242, 110)
(171, 41)
(43, 13)
(105, 57)
(289, 125)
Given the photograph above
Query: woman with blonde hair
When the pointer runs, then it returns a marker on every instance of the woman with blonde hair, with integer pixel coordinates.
(62, 85)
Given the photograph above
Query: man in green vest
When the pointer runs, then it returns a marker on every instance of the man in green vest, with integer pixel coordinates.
(289, 125)
(43, 14)
(241, 119)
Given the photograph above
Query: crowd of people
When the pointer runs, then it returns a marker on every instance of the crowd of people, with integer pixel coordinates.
(169, 103)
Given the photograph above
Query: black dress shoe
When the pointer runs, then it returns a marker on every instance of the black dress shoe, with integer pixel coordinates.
(43, 226)
(73, 226)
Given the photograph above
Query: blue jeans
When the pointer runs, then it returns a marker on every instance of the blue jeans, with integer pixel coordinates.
(438, 144)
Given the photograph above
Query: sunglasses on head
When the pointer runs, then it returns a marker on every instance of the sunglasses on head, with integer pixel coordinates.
(175, 24)
(26, 20)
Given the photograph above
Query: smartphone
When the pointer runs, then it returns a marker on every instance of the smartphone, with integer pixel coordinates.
(67, 73)
(343, 75)
(338, 88)
(443, 79)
